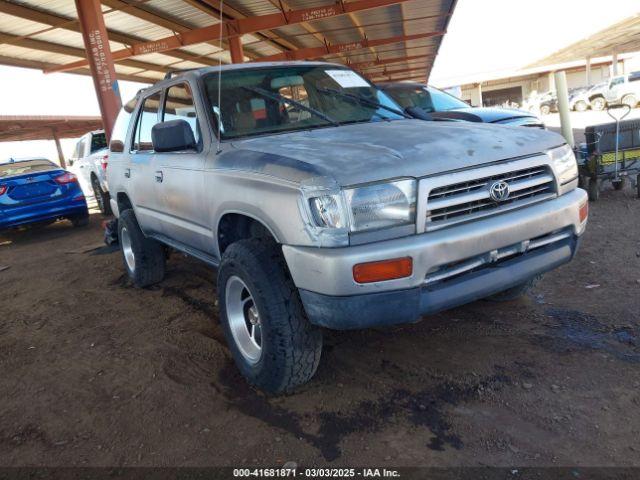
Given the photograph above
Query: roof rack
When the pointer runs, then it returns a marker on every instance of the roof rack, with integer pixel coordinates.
(171, 73)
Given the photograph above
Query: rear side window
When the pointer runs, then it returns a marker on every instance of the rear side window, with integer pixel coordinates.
(634, 77)
(98, 142)
(147, 118)
(179, 105)
(121, 127)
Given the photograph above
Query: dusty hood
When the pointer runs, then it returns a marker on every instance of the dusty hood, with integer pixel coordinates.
(368, 152)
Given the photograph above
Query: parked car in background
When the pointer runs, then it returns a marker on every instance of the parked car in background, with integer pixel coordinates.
(89, 163)
(37, 191)
(624, 89)
(596, 96)
(441, 105)
(323, 205)
(579, 99)
(548, 103)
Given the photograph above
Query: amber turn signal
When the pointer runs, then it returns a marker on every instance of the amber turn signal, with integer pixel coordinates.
(584, 211)
(383, 270)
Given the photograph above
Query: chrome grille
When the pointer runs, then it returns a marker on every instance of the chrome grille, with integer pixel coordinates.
(468, 200)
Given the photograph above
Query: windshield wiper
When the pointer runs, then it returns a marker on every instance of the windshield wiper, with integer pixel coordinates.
(363, 101)
(282, 99)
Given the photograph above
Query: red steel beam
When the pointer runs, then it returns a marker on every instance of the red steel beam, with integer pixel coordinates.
(387, 73)
(316, 52)
(103, 72)
(237, 52)
(238, 27)
(421, 78)
(389, 61)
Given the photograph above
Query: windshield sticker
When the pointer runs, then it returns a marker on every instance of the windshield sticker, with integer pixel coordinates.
(347, 78)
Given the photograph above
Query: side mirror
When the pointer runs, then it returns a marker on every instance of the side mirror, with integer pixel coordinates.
(173, 136)
(419, 113)
(70, 162)
(116, 146)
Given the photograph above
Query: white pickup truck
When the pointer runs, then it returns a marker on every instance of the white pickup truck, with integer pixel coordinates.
(624, 89)
(89, 163)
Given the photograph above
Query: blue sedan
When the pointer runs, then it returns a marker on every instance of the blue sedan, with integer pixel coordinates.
(36, 191)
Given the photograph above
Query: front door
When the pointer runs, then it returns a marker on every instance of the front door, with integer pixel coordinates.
(181, 178)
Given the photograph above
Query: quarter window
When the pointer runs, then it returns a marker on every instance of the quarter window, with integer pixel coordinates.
(147, 118)
(121, 127)
(179, 105)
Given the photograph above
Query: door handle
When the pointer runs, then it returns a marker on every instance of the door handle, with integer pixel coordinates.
(159, 176)
(127, 172)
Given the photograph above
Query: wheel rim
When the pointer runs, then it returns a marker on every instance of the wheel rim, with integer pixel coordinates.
(244, 319)
(127, 249)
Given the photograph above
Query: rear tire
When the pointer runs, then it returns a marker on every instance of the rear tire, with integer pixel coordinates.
(598, 104)
(256, 290)
(102, 197)
(143, 258)
(516, 292)
(631, 100)
(593, 190)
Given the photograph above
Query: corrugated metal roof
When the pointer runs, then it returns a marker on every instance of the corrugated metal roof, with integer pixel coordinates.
(45, 33)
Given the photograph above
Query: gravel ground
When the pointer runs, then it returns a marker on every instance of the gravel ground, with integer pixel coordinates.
(98, 373)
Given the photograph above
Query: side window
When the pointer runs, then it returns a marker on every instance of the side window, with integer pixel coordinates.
(179, 105)
(121, 127)
(76, 151)
(147, 118)
(634, 77)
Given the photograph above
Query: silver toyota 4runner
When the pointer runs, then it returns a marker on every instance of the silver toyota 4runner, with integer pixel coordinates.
(323, 206)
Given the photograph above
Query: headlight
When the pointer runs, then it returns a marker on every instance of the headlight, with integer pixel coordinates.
(371, 207)
(327, 211)
(564, 163)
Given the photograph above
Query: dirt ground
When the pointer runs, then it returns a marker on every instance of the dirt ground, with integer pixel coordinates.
(96, 372)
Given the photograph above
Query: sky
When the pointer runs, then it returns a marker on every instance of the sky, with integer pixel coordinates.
(484, 36)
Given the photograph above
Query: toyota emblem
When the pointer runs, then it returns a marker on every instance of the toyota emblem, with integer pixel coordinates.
(499, 191)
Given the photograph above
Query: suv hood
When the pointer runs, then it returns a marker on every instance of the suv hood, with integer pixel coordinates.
(368, 152)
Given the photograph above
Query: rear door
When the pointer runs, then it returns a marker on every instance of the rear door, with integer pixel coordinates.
(180, 174)
(143, 188)
(80, 166)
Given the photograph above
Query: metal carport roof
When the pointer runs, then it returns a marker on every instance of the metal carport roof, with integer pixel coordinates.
(384, 39)
(619, 38)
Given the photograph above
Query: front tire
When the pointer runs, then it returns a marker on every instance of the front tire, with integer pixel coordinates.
(545, 110)
(630, 100)
(102, 197)
(598, 104)
(580, 106)
(274, 345)
(143, 258)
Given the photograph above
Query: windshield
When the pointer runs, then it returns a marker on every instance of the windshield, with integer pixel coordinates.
(428, 98)
(25, 167)
(284, 99)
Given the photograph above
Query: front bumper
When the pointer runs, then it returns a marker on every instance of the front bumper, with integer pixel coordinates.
(333, 299)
